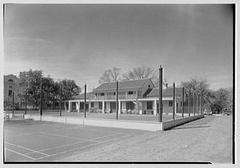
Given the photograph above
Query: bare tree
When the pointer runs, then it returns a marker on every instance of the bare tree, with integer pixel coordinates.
(144, 72)
(141, 72)
(200, 87)
(110, 75)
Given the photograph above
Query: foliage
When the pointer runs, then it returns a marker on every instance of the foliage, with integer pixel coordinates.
(30, 84)
(69, 89)
(222, 100)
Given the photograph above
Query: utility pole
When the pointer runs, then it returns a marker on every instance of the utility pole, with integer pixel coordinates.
(160, 94)
(85, 97)
(117, 102)
(174, 99)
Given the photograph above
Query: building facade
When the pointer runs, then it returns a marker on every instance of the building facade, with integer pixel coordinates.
(11, 91)
(134, 97)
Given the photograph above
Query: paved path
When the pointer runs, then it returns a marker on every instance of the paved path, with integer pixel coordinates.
(208, 139)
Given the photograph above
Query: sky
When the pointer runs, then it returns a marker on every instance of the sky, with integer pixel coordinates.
(80, 42)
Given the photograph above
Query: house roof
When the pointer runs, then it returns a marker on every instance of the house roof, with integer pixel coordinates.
(168, 92)
(81, 96)
(122, 85)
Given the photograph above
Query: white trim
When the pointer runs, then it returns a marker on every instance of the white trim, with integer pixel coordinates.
(112, 100)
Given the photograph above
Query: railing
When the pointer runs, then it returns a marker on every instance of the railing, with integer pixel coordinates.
(112, 97)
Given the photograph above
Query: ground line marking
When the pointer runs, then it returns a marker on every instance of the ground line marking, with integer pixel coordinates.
(86, 146)
(33, 151)
(96, 142)
(70, 137)
(20, 154)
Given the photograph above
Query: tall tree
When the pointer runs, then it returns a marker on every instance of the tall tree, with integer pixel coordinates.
(30, 82)
(69, 89)
(110, 75)
(200, 87)
(222, 100)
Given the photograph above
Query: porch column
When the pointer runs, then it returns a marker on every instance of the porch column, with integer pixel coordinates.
(65, 106)
(155, 107)
(89, 106)
(103, 106)
(139, 107)
(119, 107)
(78, 106)
(69, 106)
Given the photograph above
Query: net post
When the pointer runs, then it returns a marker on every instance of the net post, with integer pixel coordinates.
(85, 95)
(117, 101)
(183, 102)
(160, 94)
(174, 99)
(41, 94)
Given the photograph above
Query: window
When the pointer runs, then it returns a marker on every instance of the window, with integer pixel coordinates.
(149, 105)
(102, 94)
(10, 93)
(130, 92)
(10, 80)
(100, 105)
(170, 103)
(10, 87)
(92, 104)
(114, 93)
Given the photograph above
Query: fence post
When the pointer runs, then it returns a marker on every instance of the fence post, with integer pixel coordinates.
(85, 95)
(174, 99)
(193, 106)
(183, 102)
(13, 103)
(160, 94)
(201, 104)
(26, 103)
(117, 101)
(60, 99)
(189, 104)
(41, 87)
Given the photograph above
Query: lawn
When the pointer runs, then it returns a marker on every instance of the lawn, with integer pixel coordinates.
(205, 140)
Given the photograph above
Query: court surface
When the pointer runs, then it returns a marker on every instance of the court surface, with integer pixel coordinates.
(39, 141)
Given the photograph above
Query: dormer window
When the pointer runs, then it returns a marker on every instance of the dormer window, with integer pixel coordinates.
(130, 92)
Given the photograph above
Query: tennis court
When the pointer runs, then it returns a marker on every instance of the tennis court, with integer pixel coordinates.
(39, 141)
